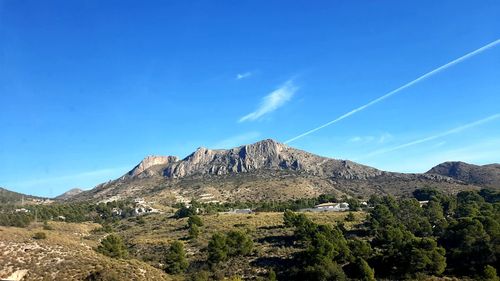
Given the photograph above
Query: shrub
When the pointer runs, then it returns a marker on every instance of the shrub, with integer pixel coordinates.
(40, 235)
(195, 220)
(113, 246)
(350, 217)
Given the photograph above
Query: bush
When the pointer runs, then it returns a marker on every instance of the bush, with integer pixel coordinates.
(350, 217)
(175, 259)
(40, 235)
(113, 246)
(46, 226)
(195, 220)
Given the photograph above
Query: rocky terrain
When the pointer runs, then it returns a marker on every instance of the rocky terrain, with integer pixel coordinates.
(66, 254)
(266, 170)
(486, 175)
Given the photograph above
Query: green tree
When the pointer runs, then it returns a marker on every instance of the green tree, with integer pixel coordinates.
(361, 270)
(194, 231)
(185, 212)
(175, 259)
(113, 246)
(489, 274)
(289, 218)
(468, 246)
(217, 249)
(360, 248)
(426, 193)
(238, 243)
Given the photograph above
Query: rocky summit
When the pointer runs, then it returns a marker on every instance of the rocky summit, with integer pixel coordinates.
(265, 170)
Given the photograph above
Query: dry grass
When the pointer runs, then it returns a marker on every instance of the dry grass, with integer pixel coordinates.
(64, 255)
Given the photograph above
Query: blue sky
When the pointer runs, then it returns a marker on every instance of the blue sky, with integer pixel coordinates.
(88, 88)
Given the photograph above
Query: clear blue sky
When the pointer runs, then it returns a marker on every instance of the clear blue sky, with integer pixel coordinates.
(88, 88)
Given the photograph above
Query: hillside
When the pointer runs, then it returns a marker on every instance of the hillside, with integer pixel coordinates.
(266, 170)
(11, 197)
(66, 254)
(486, 175)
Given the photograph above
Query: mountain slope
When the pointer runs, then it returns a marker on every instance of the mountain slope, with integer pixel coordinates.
(266, 170)
(486, 175)
(11, 197)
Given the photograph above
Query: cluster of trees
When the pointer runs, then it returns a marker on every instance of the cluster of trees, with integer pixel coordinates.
(449, 235)
(262, 206)
(72, 212)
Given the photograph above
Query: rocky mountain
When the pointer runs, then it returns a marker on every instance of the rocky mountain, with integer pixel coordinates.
(69, 194)
(266, 170)
(486, 175)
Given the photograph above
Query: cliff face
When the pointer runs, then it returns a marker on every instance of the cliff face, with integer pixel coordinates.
(266, 154)
(149, 162)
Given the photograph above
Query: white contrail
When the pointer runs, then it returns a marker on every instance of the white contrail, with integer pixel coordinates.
(409, 84)
(443, 134)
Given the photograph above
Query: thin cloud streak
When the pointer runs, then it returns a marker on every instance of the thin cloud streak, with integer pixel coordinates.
(437, 136)
(407, 85)
(240, 76)
(271, 102)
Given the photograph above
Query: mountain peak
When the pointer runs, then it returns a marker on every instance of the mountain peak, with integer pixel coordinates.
(150, 161)
(487, 175)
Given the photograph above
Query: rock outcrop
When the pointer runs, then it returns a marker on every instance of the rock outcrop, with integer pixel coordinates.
(266, 154)
(149, 162)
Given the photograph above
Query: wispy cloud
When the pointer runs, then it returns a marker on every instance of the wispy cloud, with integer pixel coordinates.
(436, 136)
(393, 92)
(237, 140)
(273, 101)
(244, 75)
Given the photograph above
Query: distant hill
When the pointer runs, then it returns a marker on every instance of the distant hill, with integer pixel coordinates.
(69, 194)
(486, 175)
(11, 197)
(266, 170)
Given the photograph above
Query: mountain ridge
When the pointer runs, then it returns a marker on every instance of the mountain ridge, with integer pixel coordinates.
(265, 170)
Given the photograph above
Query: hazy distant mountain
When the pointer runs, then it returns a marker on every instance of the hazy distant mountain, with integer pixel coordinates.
(266, 170)
(69, 194)
(486, 175)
